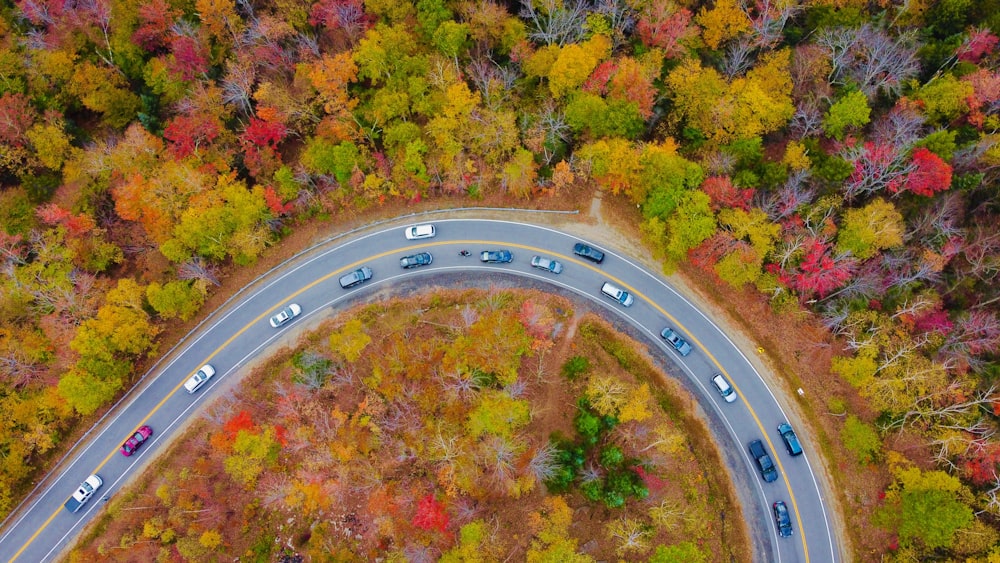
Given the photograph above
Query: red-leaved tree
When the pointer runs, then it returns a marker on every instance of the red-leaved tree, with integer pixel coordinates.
(155, 19)
(261, 133)
(663, 25)
(597, 83)
(819, 273)
(242, 421)
(189, 132)
(16, 117)
(274, 202)
(725, 194)
(190, 59)
(345, 19)
(979, 43)
(52, 214)
(431, 515)
(930, 174)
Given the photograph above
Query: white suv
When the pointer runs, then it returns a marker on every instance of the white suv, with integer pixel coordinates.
(619, 295)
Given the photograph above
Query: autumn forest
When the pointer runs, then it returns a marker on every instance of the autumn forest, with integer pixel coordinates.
(838, 159)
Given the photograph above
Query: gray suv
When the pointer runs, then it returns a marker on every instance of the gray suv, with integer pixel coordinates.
(352, 279)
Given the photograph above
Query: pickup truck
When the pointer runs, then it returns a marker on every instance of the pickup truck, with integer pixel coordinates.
(83, 493)
(763, 459)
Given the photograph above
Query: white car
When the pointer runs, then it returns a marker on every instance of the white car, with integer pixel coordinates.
(199, 378)
(286, 314)
(415, 232)
(725, 389)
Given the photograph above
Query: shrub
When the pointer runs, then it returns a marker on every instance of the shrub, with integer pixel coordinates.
(861, 439)
(575, 367)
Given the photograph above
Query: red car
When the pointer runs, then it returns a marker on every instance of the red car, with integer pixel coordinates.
(136, 440)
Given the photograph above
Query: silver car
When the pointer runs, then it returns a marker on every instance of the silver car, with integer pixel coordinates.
(546, 264)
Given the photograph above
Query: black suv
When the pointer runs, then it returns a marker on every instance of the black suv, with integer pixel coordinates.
(791, 440)
(587, 252)
(782, 519)
(763, 459)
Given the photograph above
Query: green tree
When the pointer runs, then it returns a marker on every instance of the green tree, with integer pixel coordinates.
(350, 340)
(252, 453)
(86, 393)
(519, 174)
(324, 157)
(925, 507)
(226, 221)
(753, 226)
(474, 545)
(849, 112)
(945, 98)
(497, 413)
(430, 15)
(451, 38)
(941, 143)
(663, 178)
(690, 225)
(874, 227)
(600, 118)
(179, 298)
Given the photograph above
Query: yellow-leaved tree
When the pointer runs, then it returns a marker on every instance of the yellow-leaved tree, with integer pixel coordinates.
(724, 21)
(575, 62)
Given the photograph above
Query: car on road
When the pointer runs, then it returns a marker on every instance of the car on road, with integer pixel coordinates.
(203, 374)
(286, 314)
(618, 294)
(790, 439)
(83, 493)
(764, 462)
(782, 519)
(725, 389)
(414, 232)
(674, 339)
(416, 260)
(496, 256)
(136, 440)
(352, 279)
(588, 252)
(546, 264)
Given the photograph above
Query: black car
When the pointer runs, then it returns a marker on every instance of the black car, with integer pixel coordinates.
(764, 462)
(496, 256)
(782, 519)
(421, 259)
(790, 439)
(587, 252)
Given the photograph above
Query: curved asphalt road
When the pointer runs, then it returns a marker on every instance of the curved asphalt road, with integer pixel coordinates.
(235, 335)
